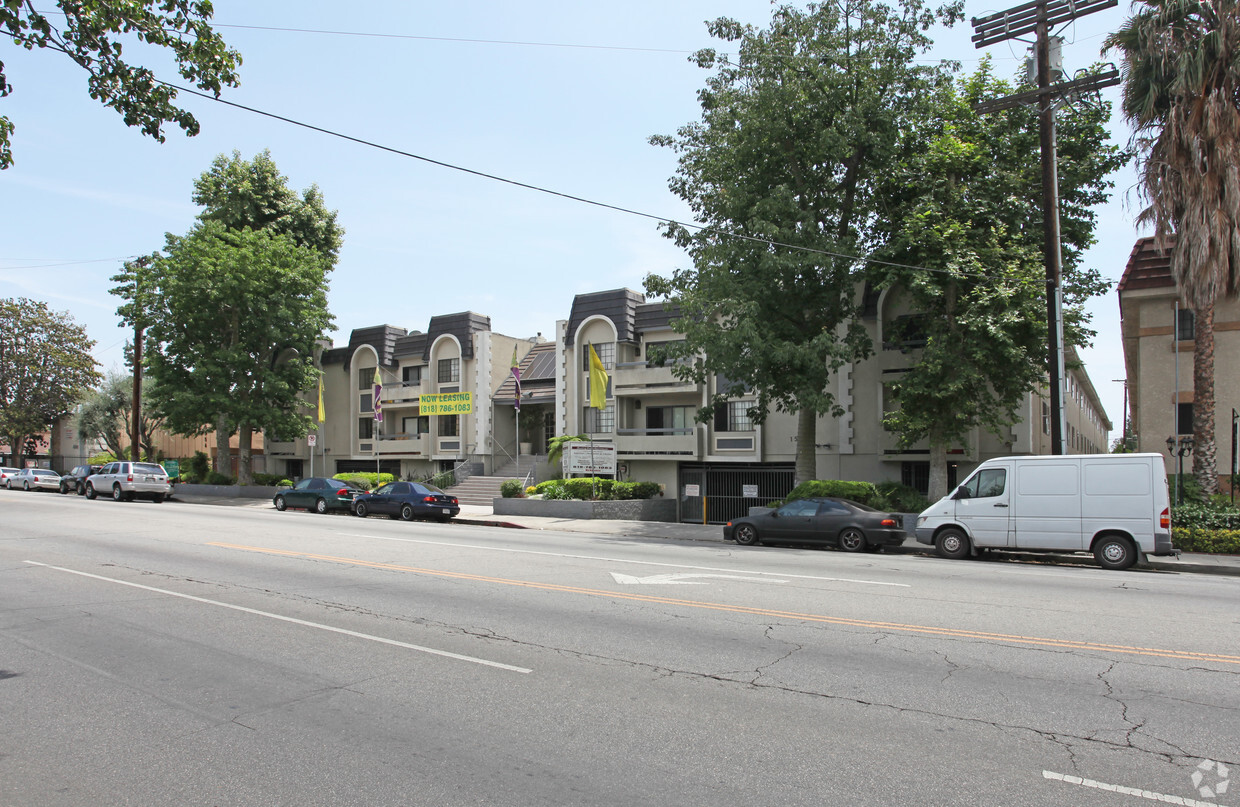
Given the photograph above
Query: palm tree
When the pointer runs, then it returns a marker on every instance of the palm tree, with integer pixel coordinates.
(1182, 98)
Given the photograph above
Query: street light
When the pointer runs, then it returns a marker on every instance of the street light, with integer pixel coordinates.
(1177, 447)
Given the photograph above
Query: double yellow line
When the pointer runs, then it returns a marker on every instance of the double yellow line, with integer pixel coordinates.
(953, 633)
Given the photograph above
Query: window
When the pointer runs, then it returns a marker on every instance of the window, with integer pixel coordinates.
(449, 425)
(606, 354)
(366, 378)
(669, 419)
(364, 403)
(734, 417)
(411, 375)
(1185, 324)
(416, 425)
(984, 485)
(1184, 418)
(905, 332)
(917, 475)
(599, 421)
(365, 428)
(449, 371)
(801, 507)
(1046, 418)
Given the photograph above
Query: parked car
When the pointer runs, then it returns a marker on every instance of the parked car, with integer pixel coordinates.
(126, 481)
(318, 494)
(34, 479)
(407, 501)
(843, 523)
(6, 474)
(75, 480)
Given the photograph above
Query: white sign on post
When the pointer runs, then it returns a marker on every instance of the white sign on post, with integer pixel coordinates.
(590, 458)
(312, 439)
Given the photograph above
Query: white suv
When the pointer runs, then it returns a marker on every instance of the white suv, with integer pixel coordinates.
(126, 481)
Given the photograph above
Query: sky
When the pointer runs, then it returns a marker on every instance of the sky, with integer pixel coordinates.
(558, 94)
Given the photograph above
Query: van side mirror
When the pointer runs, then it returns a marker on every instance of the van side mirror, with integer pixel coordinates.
(962, 492)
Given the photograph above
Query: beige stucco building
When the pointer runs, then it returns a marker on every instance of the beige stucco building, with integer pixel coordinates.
(1158, 332)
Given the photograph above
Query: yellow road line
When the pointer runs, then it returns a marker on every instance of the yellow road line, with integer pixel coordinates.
(957, 633)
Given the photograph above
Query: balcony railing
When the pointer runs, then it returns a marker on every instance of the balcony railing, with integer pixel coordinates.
(644, 378)
(400, 443)
(401, 394)
(678, 441)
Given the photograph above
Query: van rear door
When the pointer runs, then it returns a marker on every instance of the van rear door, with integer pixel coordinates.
(1046, 505)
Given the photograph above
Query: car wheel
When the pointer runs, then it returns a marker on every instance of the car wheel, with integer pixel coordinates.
(320, 506)
(745, 534)
(90, 491)
(280, 504)
(26, 486)
(80, 489)
(852, 540)
(361, 510)
(406, 512)
(952, 544)
(1115, 553)
(158, 498)
(118, 495)
(63, 488)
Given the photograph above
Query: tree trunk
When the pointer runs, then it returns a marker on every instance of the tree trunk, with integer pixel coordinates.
(938, 470)
(1205, 466)
(223, 453)
(807, 452)
(245, 453)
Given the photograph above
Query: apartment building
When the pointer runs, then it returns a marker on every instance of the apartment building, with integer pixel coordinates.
(1158, 330)
(719, 469)
(435, 402)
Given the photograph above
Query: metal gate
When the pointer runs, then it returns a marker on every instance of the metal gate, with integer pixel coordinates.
(720, 489)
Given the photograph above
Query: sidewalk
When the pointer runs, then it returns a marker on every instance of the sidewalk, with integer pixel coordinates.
(658, 530)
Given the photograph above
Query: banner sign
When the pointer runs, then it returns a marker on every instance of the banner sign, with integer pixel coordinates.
(590, 458)
(446, 403)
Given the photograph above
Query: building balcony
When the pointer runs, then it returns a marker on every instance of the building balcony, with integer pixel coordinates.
(394, 444)
(401, 395)
(683, 442)
(645, 379)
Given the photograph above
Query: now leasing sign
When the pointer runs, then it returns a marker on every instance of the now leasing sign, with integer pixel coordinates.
(446, 403)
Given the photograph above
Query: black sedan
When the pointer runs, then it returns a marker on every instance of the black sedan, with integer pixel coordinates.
(835, 522)
(318, 494)
(407, 501)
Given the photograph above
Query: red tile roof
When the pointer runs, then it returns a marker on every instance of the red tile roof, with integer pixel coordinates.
(1148, 267)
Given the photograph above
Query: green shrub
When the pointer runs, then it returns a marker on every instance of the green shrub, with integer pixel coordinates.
(200, 465)
(102, 458)
(510, 489)
(900, 498)
(860, 492)
(1220, 541)
(594, 488)
(367, 480)
(217, 478)
(272, 480)
(1202, 516)
(443, 480)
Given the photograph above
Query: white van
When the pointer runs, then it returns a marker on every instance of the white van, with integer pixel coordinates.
(1113, 505)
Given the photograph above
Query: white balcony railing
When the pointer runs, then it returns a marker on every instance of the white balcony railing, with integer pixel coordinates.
(682, 442)
(643, 378)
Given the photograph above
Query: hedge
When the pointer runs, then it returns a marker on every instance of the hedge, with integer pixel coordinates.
(366, 480)
(588, 489)
(1190, 539)
(860, 492)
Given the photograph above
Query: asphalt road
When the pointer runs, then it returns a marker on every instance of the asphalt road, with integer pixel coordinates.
(193, 655)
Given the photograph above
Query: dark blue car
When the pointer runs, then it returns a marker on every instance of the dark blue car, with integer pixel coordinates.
(407, 501)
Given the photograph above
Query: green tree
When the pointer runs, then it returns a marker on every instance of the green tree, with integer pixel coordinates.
(232, 341)
(92, 35)
(782, 168)
(959, 210)
(106, 412)
(45, 367)
(1182, 98)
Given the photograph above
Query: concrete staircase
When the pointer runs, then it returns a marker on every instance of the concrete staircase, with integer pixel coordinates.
(481, 491)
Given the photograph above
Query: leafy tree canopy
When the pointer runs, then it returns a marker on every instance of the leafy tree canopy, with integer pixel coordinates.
(794, 135)
(93, 34)
(106, 411)
(45, 367)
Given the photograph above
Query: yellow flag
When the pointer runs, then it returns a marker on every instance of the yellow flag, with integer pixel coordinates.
(598, 381)
(322, 416)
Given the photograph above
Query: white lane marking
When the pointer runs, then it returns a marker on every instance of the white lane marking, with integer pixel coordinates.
(1127, 791)
(618, 560)
(681, 579)
(293, 620)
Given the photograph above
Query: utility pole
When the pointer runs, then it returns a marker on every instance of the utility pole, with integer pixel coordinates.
(1037, 17)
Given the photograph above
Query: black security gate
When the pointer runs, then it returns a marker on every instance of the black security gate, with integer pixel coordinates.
(714, 493)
